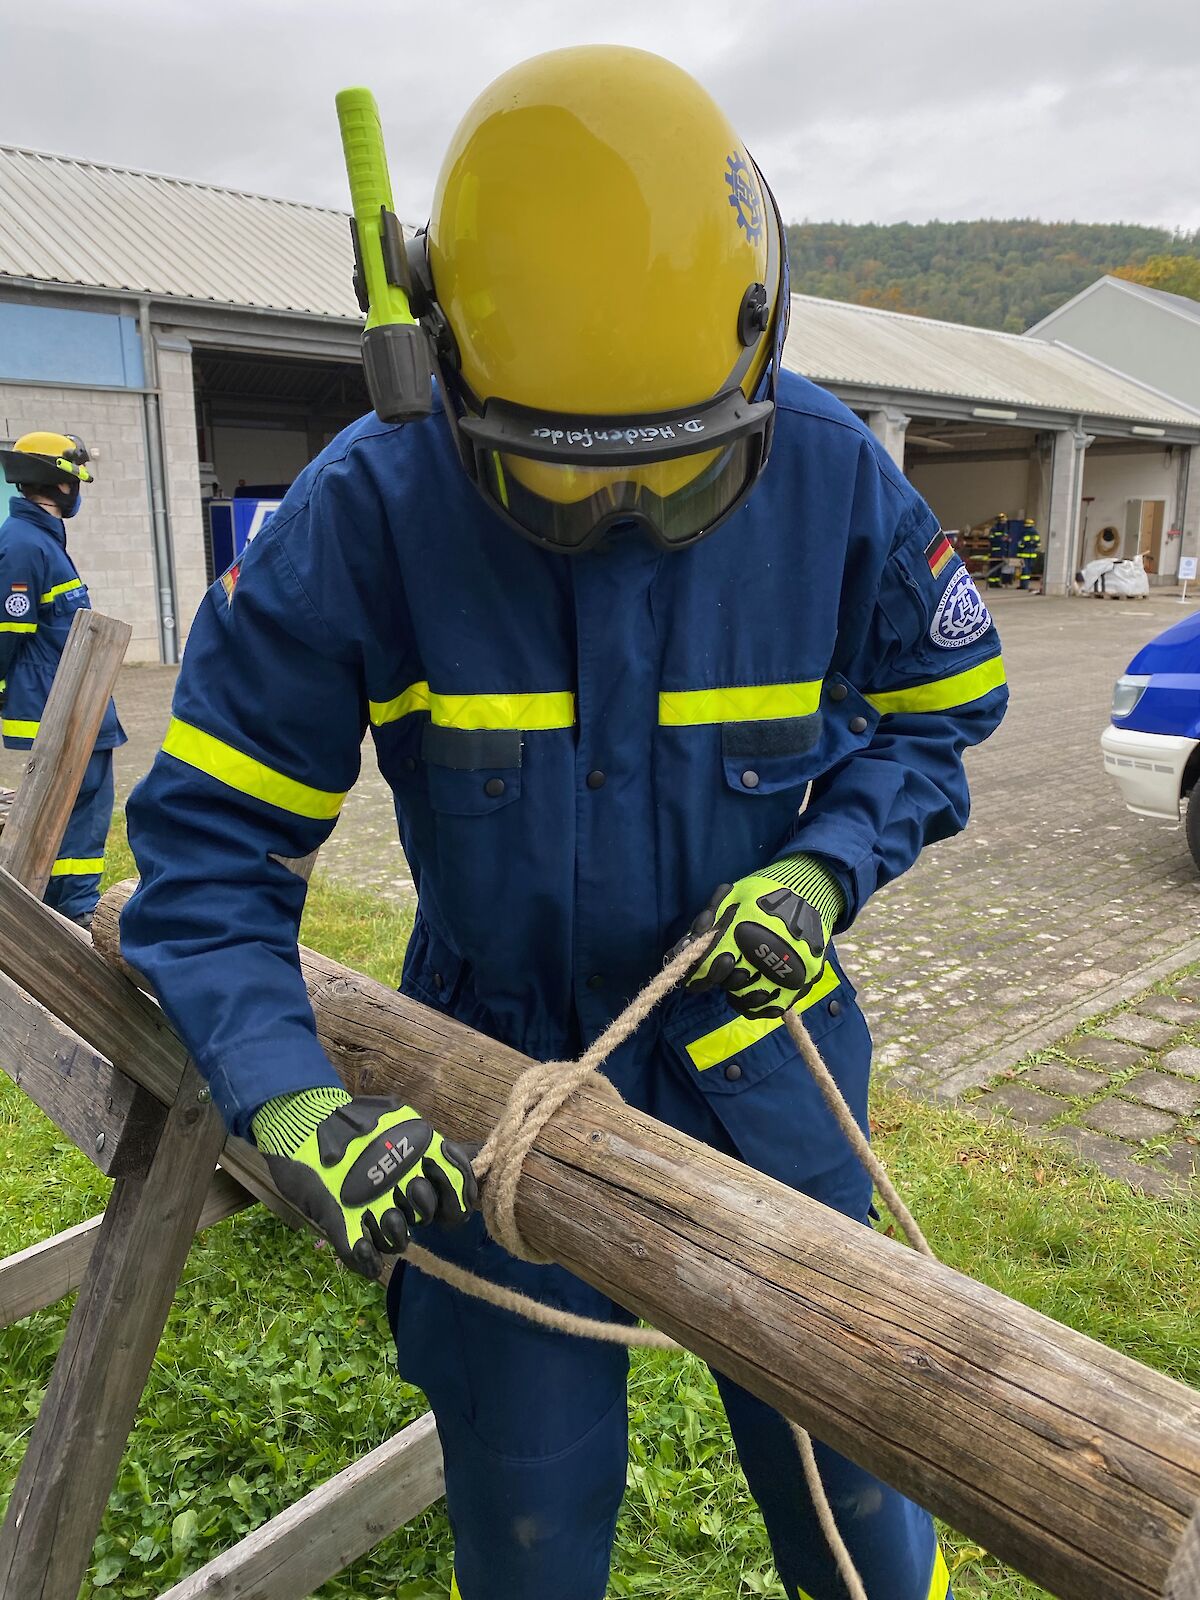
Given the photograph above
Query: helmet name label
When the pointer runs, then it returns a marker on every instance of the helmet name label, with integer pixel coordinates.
(587, 437)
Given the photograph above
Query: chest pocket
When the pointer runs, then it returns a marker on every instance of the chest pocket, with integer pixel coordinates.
(472, 772)
(771, 756)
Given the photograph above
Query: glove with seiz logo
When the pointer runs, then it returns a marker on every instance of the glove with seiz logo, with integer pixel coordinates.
(772, 931)
(364, 1170)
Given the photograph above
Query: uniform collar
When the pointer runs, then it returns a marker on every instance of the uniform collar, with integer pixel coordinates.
(18, 506)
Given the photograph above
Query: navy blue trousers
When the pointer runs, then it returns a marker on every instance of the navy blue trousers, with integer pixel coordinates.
(74, 886)
(533, 1425)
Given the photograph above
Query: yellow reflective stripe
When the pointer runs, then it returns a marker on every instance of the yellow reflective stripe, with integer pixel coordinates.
(530, 713)
(61, 588)
(713, 1048)
(764, 702)
(939, 1584)
(239, 771)
(414, 698)
(20, 730)
(943, 694)
(18, 627)
(455, 1591)
(68, 866)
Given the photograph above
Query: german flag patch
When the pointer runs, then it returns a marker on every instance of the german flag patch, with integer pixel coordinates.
(229, 581)
(938, 552)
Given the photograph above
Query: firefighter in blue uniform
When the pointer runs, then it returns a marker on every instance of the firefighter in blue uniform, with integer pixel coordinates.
(997, 551)
(40, 592)
(1028, 548)
(609, 657)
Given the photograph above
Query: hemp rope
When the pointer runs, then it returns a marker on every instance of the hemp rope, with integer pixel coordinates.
(544, 1088)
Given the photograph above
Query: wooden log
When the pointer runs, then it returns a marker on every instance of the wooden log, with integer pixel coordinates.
(1076, 1464)
(113, 1121)
(37, 1277)
(75, 1448)
(323, 1533)
(75, 708)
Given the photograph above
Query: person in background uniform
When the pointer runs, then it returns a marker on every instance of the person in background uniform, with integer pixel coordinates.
(635, 612)
(1029, 546)
(40, 592)
(998, 551)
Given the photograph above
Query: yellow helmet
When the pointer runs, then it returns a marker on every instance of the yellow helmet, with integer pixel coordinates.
(605, 278)
(44, 460)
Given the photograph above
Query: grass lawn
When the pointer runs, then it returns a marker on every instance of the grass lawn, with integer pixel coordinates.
(275, 1370)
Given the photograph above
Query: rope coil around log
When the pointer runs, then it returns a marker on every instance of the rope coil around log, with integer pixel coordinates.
(541, 1091)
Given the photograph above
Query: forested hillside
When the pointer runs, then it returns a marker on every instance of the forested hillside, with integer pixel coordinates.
(992, 274)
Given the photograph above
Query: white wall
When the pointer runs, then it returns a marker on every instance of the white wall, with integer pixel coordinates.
(1114, 480)
(964, 493)
(110, 539)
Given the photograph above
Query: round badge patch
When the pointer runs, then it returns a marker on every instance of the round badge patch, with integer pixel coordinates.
(961, 616)
(17, 605)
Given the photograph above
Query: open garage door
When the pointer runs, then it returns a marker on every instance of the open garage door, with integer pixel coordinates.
(261, 419)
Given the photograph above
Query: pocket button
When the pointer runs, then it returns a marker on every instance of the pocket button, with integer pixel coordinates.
(733, 1072)
(494, 788)
(835, 1008)
(750, 780)
(858, 724)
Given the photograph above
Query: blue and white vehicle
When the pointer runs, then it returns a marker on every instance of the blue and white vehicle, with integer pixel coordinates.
(1152, 746)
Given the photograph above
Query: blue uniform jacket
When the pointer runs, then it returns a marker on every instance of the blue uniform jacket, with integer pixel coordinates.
(40, 592)
(580, 748)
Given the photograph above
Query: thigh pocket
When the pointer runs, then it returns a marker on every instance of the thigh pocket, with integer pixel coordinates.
(761, 1091)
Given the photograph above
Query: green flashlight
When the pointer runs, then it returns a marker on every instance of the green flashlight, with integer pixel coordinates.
(396, 356)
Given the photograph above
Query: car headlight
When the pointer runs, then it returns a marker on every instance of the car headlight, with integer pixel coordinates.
(1127, 692)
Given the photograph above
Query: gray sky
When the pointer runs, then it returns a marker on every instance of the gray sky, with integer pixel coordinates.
(857, 110)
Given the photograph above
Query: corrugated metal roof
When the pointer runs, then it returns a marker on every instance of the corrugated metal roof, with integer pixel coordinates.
(834, 343)
(86, 224)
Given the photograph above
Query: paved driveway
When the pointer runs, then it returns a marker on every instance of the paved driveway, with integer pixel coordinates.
(1055, 902)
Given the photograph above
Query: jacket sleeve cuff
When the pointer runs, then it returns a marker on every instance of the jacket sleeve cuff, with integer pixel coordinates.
(850, 860)
(262, 1070)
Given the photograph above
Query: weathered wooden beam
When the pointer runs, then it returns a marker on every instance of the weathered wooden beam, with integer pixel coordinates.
(75, 706)
(75, 1449)
(113, 1121)
(320, 1535)
(1076, 1464)
(37, 1277)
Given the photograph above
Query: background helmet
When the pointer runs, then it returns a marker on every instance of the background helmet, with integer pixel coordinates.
(607, 270)
(44, 460)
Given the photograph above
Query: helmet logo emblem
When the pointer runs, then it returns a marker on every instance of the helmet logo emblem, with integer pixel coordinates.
(744, 197)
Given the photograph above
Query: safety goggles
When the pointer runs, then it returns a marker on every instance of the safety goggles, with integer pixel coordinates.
(564, 482)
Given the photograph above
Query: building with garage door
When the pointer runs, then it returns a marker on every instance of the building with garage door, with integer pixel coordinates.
(989, 423)
(200, 340)
(205, 344)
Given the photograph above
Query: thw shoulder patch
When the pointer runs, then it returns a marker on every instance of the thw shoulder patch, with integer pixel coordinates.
(961, 616)
(228, 581)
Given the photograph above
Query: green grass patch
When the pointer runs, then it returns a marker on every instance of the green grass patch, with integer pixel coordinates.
(276, 1367)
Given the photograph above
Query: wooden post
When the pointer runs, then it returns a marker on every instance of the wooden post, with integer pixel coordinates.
(1076, 1464)
(75, 1449)
(320, 1535)
(66, 738)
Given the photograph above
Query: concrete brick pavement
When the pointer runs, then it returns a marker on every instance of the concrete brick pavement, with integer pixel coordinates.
(1054, 905)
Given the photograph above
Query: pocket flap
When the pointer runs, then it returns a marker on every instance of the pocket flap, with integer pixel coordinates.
(734, 1052)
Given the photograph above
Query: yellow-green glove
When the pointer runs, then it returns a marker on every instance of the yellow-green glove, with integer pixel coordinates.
(363, 1170)
(772, 931)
